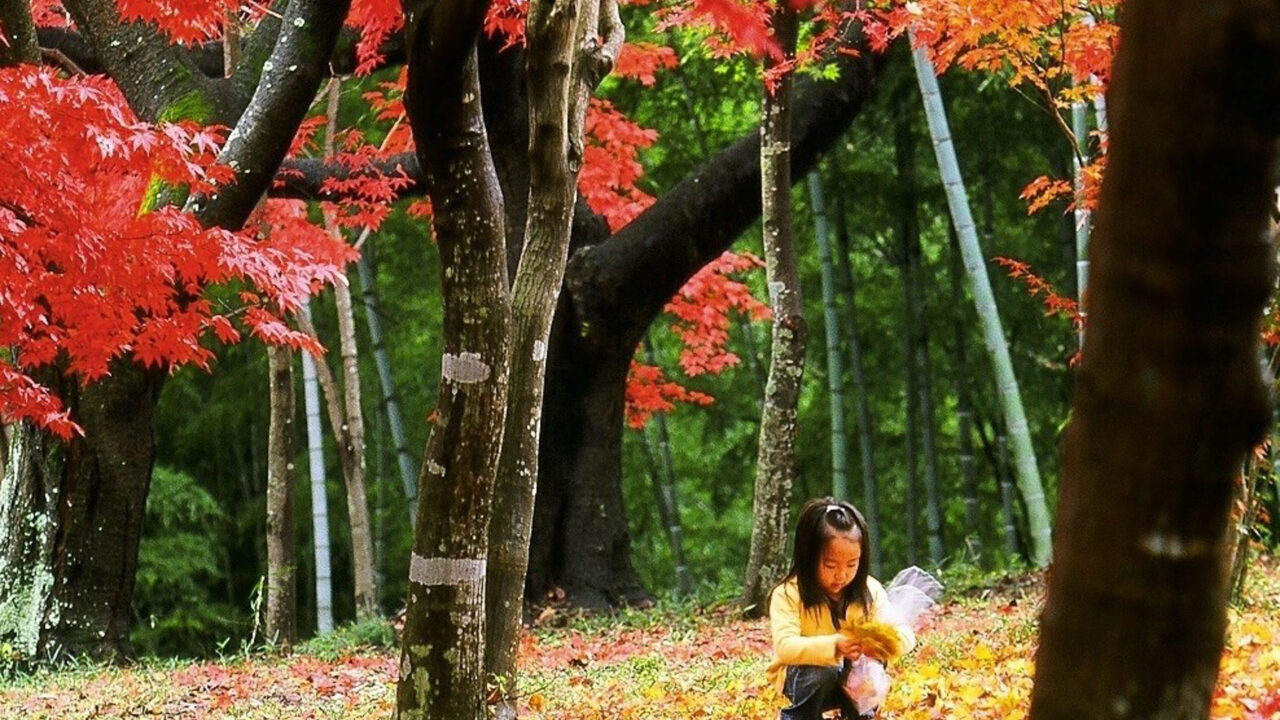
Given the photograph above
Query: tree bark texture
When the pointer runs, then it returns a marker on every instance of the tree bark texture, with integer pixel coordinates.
(442, 655)
(17, 34)
(779, 423)
(1168, 396)
(71, 517)
(104, 476)
(281, 621)
(565, 62)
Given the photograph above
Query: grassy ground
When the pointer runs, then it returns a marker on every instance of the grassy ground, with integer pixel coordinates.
(974, 661)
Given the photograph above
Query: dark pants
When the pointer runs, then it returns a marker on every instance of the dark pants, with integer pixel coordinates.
(813, 689)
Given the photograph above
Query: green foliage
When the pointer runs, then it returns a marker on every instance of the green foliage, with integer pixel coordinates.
(352, 638)
(180, 567)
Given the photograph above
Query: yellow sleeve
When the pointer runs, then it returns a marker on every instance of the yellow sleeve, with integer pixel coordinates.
(790, 645)
(879, 601)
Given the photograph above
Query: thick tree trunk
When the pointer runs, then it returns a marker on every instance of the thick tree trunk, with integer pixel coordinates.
(1168, 396)
(17, 34)
(70, 521)
(281, 620)
(779, 422)
(614, 288)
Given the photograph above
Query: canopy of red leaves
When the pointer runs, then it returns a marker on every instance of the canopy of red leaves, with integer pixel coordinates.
(90, 271)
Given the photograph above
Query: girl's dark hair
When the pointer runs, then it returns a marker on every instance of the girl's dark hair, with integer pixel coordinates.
(820, 520)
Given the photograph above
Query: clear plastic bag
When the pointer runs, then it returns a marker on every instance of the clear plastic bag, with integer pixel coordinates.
(912, 593)
(866, 684)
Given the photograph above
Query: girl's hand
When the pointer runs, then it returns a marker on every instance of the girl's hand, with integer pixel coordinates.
(847, 648)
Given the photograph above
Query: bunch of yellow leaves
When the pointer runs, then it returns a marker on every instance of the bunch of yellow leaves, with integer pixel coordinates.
(879, 640)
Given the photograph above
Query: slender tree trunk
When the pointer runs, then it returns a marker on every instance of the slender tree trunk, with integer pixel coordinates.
(910, 423)
(390, 399)
(1007, 500)
(349, 430)
(319, 494)
(871, 502)
(1168, 396)
(831, 323)
(964, 403)
(1027, 473)
(917, 335)
(565, 62)
(353, 450)
(665, 489)
(280, 622)
(776, 461)
(1080, 158)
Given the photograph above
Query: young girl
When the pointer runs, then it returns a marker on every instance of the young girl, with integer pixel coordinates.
(827, 588)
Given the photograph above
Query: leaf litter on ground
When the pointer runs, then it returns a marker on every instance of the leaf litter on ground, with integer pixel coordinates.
(975, 660)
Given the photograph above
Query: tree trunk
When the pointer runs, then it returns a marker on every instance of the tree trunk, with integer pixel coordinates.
(614, 287)
(980, 285)
(964, 403)
(779, 426)
(565, 62)
(390, 399)
(1007, 500)
(1168, 396)
(664, 476)
(71, 519)
(281, 622)
(104, 477)
(17, 34)
(831, 323)
(871, 501)
(319, 493)
(917, 335)
(442, 672)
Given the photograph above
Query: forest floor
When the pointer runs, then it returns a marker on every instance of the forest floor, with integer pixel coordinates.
(974, 661)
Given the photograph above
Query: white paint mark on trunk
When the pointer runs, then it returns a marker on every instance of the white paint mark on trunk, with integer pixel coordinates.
(465, 367)
(445, 571)
(539, 351)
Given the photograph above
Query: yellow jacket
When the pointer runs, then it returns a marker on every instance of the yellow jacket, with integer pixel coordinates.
(808, 637)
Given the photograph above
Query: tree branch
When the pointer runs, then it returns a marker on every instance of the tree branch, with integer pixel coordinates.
(624, 282)
(261, 138)
(160, 80)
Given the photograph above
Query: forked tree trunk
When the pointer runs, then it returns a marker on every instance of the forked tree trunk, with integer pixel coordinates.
(1168, 396)
(280, 622)
(564, 64)
(776, 458)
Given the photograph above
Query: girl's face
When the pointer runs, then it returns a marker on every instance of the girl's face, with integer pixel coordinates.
(839, 563)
